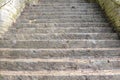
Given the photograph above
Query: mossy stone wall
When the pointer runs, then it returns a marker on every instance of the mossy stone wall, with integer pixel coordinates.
(112, 10)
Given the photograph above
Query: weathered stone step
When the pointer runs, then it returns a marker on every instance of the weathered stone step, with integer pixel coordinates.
(61, 75)
(61, 20)
(63, 1)
(62, 10)
(83, 11)
(62, 13)
(78, 53)
(66, 4)
(101, 17)
(62, 36)
(75, 3)
(59, 64)
(61, 30)
(65, 19)
(61, 25)
(63, 7)
(48, 44)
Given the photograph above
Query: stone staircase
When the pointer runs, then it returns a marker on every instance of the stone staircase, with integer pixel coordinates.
(60, 40)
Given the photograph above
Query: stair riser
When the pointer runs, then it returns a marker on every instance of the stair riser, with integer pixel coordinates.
(98, 36)
(61, 10)
(60, 44)
(60, 30)
(62, 7)
(68, 1)
(63, 17)
(60, 2)
(46, 54)
(37, 66)
(60, 13)
(67, 4)
(61, 20)
(61, 25)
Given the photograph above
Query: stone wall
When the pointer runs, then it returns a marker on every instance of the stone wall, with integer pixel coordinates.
(112, 10)
(10, 10)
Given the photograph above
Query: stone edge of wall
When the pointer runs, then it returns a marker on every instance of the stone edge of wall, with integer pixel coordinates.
(10, 11)
(112, 10)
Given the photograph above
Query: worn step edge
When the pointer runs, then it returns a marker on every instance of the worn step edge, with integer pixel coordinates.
(60, 60)
(25, 49)
(61, 73)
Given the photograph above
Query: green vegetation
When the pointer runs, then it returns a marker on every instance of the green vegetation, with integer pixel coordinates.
(112, 10)
(1, 78)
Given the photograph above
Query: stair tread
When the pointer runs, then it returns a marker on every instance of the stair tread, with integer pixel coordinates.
(61, 36)
(60, 30)
(61, 73)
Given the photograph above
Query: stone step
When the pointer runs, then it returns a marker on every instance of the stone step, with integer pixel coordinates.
(56, 44)
(62, 13)
(61, 30)
(62, 20)
(30, 17)
(61, 75)
(61, 25)
(62, 1)
(62, 36)
(59, 64)
(75, 3)
(62, 7)
(66, 4)
(61, 10)
(78, 53)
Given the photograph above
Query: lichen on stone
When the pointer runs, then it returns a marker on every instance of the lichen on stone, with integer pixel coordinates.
(112, 10)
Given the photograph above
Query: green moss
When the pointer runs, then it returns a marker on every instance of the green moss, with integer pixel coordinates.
(92, 0)
(112, 10)
(1, 78)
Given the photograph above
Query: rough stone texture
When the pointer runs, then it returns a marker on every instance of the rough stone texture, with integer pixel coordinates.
(9, 11)
(60, 40)
(112, 9)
